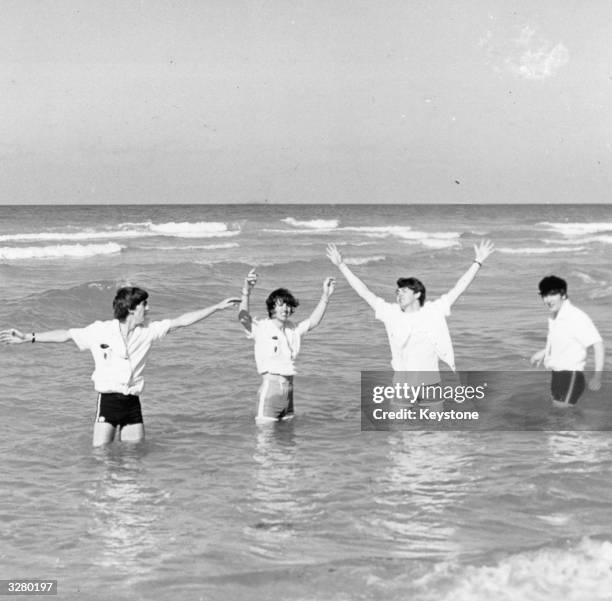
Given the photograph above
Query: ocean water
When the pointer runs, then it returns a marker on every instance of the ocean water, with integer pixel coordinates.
(211, 506)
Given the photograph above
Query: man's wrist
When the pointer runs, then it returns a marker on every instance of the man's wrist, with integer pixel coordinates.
(479, 263)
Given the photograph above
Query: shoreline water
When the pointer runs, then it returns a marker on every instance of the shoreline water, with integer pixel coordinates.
(213, 507)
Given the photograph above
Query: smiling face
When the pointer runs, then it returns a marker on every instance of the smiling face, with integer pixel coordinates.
(282, 311)
(406, 297)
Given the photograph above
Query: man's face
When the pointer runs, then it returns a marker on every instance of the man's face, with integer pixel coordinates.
(140, 312)
(406, 297)
(282, 311)
(553, 301)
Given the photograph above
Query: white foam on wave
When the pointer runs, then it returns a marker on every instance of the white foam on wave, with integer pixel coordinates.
(603, 239)
(574, 574)
(364, 260)
(200, 246)
(313, 224)
(576, 229)
(186, 229)
(434, 240)
(437, 244)
(87, 234)
(540, 250)
(403, 232)
(297, 231)
(202, 229)
(75, 251)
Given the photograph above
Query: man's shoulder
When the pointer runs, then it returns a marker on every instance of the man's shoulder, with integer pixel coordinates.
(99, 325)
(571, 311)
(383, 307)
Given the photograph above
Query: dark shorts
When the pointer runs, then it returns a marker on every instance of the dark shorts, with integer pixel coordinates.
(118, 409)
(275, 398)
(566, 387)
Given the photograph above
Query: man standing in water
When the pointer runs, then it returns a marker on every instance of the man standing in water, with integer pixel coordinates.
(417, 330)
(119, 348)
(570, 333)
(277, 344)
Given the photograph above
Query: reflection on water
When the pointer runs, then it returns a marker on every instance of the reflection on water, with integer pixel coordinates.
(279, 505)
(273, 501)
(578, 447)
(421, 487)
(127, 509)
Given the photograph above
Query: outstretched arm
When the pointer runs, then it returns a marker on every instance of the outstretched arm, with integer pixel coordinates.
(317, 315)
(482, 251)
(192, 317)
(600, 355)
(14, 336)
(244, 315)
(355, 283)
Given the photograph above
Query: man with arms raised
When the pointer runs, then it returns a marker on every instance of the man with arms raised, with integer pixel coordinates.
(277, 344)
(417, 330)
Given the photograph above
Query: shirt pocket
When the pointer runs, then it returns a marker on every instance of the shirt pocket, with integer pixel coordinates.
(273, 346)
(112, 363)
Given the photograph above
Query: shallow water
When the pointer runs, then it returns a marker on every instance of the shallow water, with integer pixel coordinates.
(213, 507)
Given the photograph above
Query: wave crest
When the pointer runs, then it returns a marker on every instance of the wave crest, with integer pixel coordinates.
(75, 251)
(313, 224)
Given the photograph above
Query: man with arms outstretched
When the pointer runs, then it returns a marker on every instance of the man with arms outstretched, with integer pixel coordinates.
(119, 348)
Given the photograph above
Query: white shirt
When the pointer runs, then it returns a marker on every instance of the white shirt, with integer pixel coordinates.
(119, 366)
(570, 334)
(417, 339)
(275, 348)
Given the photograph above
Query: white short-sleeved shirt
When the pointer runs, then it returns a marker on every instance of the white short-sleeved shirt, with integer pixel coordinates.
(417, 339)
(118, 368)
(276, 349)
(570, 334)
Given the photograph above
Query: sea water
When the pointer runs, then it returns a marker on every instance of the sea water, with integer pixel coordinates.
(211, 506)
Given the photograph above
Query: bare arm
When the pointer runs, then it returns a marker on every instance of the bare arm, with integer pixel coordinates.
(355, 283)
(192, 317)
(600, 356)
(482, 251)
(14, 336)
(244, 315)
(317, 315)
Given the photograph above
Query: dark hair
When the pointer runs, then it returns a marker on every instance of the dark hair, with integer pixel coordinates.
(414, 285)
(126, 300)
(284, 296)
(551, 284)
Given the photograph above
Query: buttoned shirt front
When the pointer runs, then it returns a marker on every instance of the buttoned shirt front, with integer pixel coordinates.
(119, 362)
(277, 348)
(417, 339)
(570, 333)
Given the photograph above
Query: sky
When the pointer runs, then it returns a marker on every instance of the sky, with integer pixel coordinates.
(309, 101)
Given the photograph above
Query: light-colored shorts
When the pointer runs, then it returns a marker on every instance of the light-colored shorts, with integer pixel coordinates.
(275, 398)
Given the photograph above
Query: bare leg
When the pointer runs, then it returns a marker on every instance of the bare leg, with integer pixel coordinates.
(132, 433)
(103, 434)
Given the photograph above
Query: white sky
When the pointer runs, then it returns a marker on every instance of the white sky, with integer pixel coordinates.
(109, 101)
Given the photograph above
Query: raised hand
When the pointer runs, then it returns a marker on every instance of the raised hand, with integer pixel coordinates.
(250, 280)
(329, 286)
(483, 250)
(333, 254)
